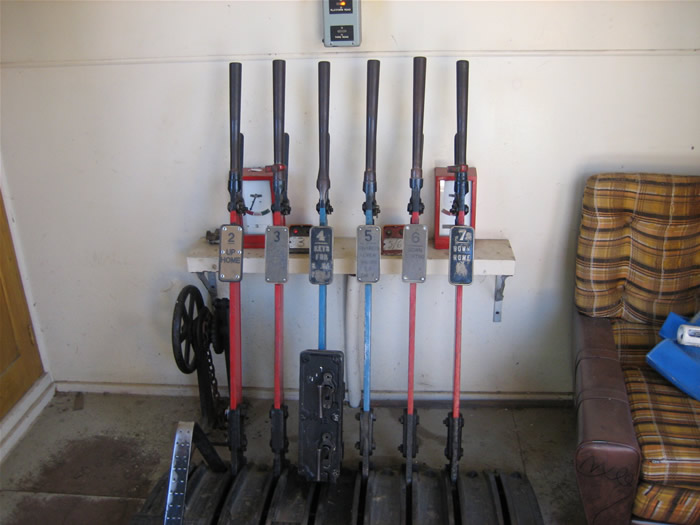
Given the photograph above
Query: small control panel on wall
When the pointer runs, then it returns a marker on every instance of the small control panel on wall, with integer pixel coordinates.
(341, 23)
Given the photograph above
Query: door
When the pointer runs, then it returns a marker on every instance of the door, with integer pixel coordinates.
(20, 364)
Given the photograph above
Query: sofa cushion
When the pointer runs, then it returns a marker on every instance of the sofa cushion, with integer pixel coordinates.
(633, 341)
(638, 251)
(667, 424)
(667, 504)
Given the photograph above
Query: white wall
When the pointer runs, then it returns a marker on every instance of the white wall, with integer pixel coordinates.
(115, 150)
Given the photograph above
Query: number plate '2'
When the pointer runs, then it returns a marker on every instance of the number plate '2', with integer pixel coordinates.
(321, 255)
(276, 254)
(415, 253)
(461, 255)
(231, 253)
(368, 253)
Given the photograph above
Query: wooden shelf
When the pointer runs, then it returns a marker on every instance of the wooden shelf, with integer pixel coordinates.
(491, 257)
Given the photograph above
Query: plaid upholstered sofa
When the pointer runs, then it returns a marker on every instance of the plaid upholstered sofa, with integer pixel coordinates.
(637, 259)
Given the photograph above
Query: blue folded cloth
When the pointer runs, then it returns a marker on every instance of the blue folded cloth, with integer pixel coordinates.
(679, 364)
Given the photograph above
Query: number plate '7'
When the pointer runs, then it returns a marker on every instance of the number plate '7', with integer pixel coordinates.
(461, 255)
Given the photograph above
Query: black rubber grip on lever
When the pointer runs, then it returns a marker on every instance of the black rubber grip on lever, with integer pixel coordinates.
(461, 185)
(278, 78)
(234, 76)
(418, 110)
(462, 104)
(323, 183)
(415, 205)
(372, 105)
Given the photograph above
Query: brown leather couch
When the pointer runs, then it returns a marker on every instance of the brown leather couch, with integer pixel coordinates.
(623, 289)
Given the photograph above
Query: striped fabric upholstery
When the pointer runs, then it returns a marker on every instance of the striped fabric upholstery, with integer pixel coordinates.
(667, 424)
(667, 504)
(633, 341)
(638, 255)
(637, 260)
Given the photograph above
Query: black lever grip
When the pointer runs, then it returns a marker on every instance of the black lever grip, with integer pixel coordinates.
(415, 205)
(418, 109)
(234, 76)
(462, 104)
(323, 183)
(278, 77)
(461, 187)
(372, 105)
(235, 176)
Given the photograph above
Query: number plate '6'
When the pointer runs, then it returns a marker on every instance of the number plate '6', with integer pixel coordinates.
(415, 253)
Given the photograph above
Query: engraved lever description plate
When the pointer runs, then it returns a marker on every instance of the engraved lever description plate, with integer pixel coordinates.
(276, 254)
(231, 253)
(461, 255)
(415, 253)
(321, 255)
(368, 253)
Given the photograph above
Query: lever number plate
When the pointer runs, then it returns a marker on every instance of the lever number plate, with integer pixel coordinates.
(231, 253)
(368, 253)
(461, 255)
(321, 255)
(276, 254)
(415, 253)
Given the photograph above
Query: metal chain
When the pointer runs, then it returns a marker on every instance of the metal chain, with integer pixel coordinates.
(214, 385)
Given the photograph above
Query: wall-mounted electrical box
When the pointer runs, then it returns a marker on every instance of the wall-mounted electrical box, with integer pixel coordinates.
(341, 23)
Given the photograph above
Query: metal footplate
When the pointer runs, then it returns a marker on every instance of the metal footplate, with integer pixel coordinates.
(338, 503)
(321, 394)
(496, 498)
(292, 500)
(255, 496)
(246, 501)
(385, 498)
(432, 497)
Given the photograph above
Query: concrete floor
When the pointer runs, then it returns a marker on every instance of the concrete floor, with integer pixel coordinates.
(94, 458)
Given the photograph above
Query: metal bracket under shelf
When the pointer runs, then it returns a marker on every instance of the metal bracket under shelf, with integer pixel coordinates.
(498, 297)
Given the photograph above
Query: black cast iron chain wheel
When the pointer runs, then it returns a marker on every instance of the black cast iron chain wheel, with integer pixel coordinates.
(188, 307)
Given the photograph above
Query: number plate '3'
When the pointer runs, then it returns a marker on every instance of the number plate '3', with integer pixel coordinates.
(276, 254)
